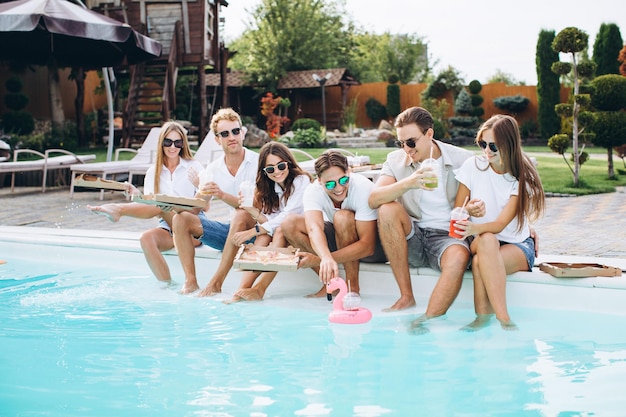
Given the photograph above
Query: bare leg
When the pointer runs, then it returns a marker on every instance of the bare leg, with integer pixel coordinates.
(493, 264)
(294, 230)
(185, 226)
(114, 211)
(153, 242)
(240, 221)
(394, 225)
(453, 265)
(246, 290)
(345, 235)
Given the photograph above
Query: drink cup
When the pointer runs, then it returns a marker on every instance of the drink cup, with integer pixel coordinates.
(457, 214)
(432, 175)
(247, 190)
(204, 177)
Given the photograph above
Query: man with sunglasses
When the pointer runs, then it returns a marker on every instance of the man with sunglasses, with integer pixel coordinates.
(238, 165)
(414, 217)
(338, 226)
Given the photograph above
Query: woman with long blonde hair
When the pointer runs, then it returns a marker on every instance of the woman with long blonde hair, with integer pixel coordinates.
(169, 175)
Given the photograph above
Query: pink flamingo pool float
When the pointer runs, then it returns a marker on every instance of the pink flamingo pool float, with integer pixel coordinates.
(354, 314)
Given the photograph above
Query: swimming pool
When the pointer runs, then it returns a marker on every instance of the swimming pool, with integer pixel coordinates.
(89, 332)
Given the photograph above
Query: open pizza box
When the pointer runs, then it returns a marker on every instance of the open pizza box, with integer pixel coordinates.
(579, 270)
(170, 201)
(262, 258)
(92, 181)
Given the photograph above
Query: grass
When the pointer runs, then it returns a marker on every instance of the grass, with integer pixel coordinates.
(555, 175)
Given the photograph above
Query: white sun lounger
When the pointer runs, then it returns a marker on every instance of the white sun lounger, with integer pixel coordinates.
(44, 163)
(145, 155)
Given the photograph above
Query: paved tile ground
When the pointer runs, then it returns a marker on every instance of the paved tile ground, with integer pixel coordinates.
(579, 226)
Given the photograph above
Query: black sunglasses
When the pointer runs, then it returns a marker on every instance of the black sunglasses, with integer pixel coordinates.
(492, 145)
(225, 133)
(167, 142)
(409, 142)
(330, 185)
(281, 166)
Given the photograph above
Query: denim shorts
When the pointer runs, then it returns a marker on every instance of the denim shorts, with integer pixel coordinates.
(426, 246)
(214, 232)
(379, 253)
(528, 247)
(163, 225)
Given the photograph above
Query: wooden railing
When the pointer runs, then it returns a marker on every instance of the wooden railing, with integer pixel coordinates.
(174, 60)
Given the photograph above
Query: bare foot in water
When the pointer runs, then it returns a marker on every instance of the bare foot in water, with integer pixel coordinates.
(210, 291)
(322, 293)
(480, 322)
(189, 288)
(110, 211)
(250, 294)
(508, 326)
(402, 304)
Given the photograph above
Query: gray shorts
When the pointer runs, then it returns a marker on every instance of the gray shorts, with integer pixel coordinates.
(426, 246)
(379, 253)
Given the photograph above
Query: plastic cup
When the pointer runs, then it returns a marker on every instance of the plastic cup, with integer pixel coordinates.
(432, 175)
(204, 177)
(457, 213)
(247, 190)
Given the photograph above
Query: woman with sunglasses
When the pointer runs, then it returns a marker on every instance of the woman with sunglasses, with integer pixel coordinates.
(505, 179)
(280, 185)
(169, 175)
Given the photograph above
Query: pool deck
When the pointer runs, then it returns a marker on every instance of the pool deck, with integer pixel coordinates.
(595, 227)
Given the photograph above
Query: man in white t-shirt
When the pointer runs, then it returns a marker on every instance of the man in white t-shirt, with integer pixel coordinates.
(338, 226)
(414, 215)
(227, 173)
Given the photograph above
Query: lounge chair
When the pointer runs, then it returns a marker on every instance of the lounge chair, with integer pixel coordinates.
(145, 155)
(43, 163)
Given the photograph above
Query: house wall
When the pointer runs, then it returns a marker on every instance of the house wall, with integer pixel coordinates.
(36, 89)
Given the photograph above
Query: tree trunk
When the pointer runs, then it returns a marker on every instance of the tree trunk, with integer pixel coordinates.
(79, 102)
(610, 160)
(56, 103)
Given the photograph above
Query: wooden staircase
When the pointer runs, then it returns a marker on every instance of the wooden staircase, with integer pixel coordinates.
(152, 93)
(144, 108)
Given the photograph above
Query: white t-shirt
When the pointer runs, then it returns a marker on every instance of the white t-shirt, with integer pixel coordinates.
(359, 189)
(495, 190)
(176, 183)
(230, 183)
(294, 205)
(434, 204)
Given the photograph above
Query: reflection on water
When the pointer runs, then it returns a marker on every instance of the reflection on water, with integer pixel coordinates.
(108, 340)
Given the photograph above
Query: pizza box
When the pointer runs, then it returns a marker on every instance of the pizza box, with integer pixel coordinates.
(92, 181)
(579, 270)
(263, 258)
(171, 201)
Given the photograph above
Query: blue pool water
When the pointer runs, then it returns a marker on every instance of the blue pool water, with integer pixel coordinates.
(91, 333)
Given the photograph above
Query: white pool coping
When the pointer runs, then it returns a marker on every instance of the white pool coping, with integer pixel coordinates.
(530, 289)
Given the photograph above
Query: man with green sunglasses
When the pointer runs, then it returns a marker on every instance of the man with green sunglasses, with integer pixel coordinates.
(338, 226)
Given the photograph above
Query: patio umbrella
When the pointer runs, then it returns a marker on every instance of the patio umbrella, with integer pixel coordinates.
(34, 31)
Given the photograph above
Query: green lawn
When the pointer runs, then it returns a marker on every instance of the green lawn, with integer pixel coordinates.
(555, 175)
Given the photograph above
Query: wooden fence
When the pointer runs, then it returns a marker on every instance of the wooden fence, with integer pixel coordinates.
(410, 95)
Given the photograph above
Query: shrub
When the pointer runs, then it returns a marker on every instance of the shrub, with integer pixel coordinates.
(528, 128)
(304, 124)
(393, 100)
(19, 122)
(308, 138)
(512, 104)
(609, 92)
(375, 110)
(474, 87)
